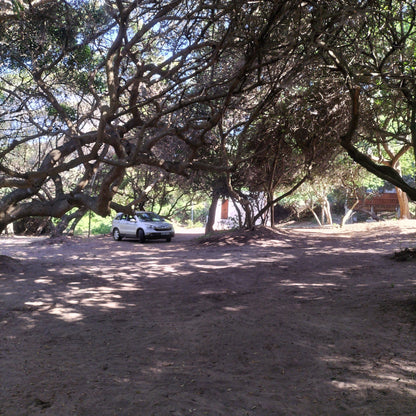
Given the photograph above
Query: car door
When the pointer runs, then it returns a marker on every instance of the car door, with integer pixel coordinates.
(130, 224)
(123, 224)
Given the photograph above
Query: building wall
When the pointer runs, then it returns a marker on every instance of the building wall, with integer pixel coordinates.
(385, 202)
(226, 215)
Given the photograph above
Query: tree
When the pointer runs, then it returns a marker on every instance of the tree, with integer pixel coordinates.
(103, 88)
(372, 48)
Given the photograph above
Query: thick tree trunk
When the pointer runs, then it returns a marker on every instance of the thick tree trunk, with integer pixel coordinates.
(9, 229)
(249, 217)
(404, 204)
(209, 228)
(326, 217)
(327, 211)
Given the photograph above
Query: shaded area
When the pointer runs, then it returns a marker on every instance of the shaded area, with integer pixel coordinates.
(308, 322)
(405, 254)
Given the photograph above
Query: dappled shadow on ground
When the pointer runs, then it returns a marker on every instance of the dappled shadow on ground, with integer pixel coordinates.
(305, 322)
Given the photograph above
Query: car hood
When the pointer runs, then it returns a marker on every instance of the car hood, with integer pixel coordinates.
(162, 224)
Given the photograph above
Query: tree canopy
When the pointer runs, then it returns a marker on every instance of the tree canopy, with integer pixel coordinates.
(262, 94)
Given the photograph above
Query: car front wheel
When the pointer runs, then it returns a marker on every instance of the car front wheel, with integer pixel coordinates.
(116, 234)
(141, 236)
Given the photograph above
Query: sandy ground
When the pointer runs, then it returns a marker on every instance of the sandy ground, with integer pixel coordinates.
(292, 322)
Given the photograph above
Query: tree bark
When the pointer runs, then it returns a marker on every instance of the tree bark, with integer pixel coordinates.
(270, 202)
(316, 216)
(403, 203)
(348, 212)
(326, 208)
(209, 228)
(237, 208)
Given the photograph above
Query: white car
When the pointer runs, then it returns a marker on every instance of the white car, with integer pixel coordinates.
(142, 225)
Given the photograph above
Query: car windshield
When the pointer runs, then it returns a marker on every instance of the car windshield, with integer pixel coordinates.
(148, 216)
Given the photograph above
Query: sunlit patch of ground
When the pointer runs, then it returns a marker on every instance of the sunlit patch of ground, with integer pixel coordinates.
(300, 321)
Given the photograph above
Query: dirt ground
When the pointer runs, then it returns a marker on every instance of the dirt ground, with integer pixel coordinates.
(300, 321)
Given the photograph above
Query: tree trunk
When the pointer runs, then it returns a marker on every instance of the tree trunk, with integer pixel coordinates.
(270, 202)
(66, 219)
(209, 228)
(9, 229)
(327, 210)
(240, 220)
(71, 230)
(243, 201)
(316, 216)
(404, 204)
(348, 212)
(326, 217)
(249, 223)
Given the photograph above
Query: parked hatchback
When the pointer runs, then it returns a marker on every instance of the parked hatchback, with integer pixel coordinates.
(142, 225)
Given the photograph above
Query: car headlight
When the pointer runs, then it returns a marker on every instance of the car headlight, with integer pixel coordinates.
(152, 227)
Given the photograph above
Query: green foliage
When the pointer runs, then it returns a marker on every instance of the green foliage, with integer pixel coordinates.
(194, 224)
(372, 182)
(69, 112)
(95, 223)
